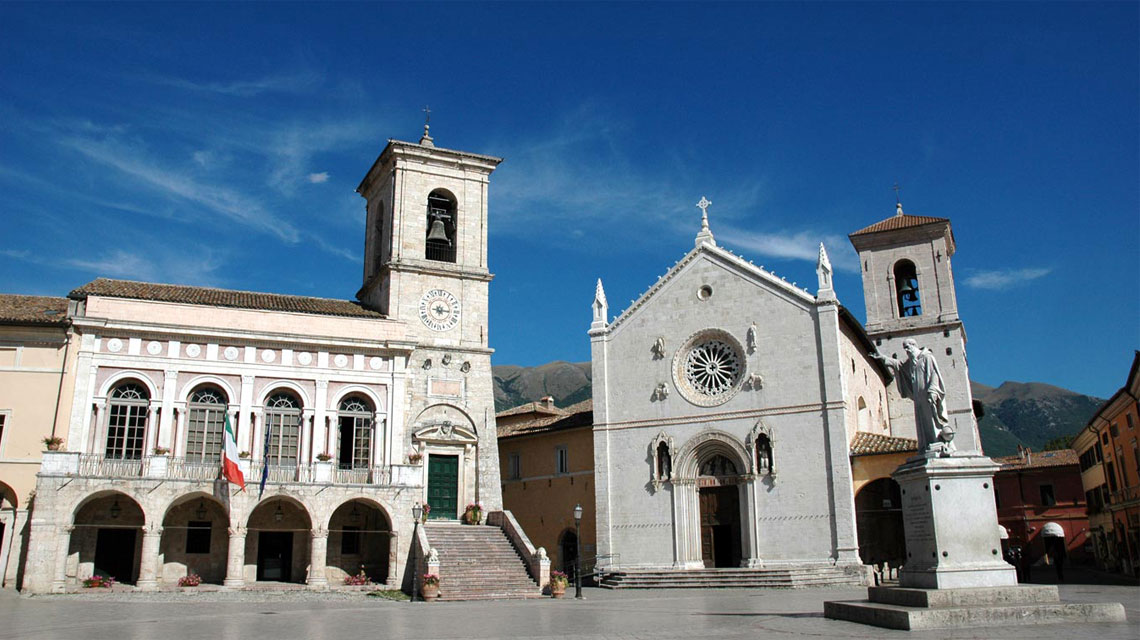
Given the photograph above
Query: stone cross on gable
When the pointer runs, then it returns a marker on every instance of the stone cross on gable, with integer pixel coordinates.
(705, 236)
(703, 205)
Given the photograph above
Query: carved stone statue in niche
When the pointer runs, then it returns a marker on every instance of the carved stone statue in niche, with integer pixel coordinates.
(659, 348)
(660, 392)
(661, 459)
(750, 338)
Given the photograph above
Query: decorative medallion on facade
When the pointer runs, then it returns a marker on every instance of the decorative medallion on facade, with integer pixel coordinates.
(709, 368)
(154, 348)
(231, 353)
(193, 350)
(375, 362)
(340, 360)
(114, 345)
(268, 355)
(305, 358)
(439, 310)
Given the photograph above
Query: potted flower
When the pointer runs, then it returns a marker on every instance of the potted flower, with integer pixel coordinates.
(99, 582)
(53, 443)
(415, 457)
(430, 588)
(426, 510)
(473, 514)
(324, 457)
(359, 580)
(558, 582)
(161, 451)
(190, 580)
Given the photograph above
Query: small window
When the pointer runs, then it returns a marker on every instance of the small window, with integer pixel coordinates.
(1047, 497)
(350, 541)
(1115, 429)
(561, 460)
(514, 466)
(198, 536)
(1131, 422)
(3, 423)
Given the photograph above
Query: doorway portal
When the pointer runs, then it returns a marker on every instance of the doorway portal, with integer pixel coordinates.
(443, 486)
(720, 526)
(274, 555)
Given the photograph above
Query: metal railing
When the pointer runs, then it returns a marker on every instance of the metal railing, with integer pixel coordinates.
(102, 466)
(176, 468)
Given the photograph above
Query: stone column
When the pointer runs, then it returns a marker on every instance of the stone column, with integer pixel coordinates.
(63, 541)
(235, 559)
(148, 563)
(317, 553)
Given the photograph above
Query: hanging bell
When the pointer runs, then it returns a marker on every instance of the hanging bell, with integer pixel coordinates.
(907, 291)
(437, 232)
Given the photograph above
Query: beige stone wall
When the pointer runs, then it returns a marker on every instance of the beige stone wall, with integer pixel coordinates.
(543, 501)
(862, 380)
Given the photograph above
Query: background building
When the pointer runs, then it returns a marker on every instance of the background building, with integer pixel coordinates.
(1039, 496)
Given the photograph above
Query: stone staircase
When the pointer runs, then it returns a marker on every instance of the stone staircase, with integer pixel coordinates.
(478, 562)
(785, 578)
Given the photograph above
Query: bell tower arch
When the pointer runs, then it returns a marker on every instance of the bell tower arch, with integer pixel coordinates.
(908, 290)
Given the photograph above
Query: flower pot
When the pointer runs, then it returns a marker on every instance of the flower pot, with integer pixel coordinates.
(430, 592)
(473, 517)
(557, 589)
(54, 446)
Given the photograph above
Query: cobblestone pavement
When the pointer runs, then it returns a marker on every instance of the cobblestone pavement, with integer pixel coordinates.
(657, 615)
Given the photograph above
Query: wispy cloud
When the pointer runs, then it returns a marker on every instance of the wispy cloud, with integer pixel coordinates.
(1004, 278)
(194, 265)
(300, 82)
(797, 245)
(220, 199)
(318, 178)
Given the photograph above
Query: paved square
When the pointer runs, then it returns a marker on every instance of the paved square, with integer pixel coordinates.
(649, 614)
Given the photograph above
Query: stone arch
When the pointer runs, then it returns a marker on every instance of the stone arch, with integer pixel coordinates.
(8, 497)
(347, 390)
(706, 444)
(361, 538)
(279, 538)
(879, 523)
(429, 413)
(106, 536)
(197, 381)
(567, 551)
(130, 374)
(194, 538)
(276, 385)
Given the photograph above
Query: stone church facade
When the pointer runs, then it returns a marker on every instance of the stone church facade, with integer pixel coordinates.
(354, 411)
(730, 407)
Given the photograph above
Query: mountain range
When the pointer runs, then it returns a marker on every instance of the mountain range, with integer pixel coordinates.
(1016, 413)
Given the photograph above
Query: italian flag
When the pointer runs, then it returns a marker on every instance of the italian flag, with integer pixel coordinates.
(230, 467)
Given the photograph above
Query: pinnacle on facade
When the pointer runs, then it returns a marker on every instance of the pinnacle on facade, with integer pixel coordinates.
(600, 307)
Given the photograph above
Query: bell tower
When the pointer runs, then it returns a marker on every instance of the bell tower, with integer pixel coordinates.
(425, 265)
(908, 290)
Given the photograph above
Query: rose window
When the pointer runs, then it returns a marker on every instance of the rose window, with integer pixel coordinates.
(712, 368)
(709, 368)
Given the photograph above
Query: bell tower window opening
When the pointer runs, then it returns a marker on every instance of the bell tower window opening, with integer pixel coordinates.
(442, 214)
(906, 289)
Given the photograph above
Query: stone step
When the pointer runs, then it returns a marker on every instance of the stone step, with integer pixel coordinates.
(728, 578)
(915, 618)
(478, 562)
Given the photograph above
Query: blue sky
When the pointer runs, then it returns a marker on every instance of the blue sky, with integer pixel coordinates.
(220, 145)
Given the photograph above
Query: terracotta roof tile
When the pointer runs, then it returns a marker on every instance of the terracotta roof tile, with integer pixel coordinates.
(869, 444)
(577, 415)
(898, 222)
(1040, 459)
(17, 309)
(109, 288)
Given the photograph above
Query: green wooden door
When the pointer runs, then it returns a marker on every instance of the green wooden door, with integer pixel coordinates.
(443, 486)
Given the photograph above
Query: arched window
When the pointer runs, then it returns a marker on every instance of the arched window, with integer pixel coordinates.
(354, 420)
(206, 424)
(763, 455)
(664, 462)
(283, 428)
(442, 219)
(126, 421)
(864, 415)
(718, 465)
(906, 289)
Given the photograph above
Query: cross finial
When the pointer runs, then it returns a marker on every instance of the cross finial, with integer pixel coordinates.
(426, 139)
(898, 201)
(703, 205)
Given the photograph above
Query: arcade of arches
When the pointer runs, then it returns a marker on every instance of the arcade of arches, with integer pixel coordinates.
(111, 535)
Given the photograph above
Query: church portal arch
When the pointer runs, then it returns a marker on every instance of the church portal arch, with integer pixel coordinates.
(712, 502)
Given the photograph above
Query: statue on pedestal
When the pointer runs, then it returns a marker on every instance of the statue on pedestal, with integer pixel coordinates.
(920, 380)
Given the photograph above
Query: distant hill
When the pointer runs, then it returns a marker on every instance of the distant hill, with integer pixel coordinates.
(1025, 413)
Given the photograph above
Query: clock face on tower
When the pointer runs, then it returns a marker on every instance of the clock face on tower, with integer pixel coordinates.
(439, 310)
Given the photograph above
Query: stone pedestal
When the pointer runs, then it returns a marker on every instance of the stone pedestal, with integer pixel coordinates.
(954, 575)
(950, 521)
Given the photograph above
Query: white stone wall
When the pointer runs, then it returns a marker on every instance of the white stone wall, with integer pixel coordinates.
(791, 518)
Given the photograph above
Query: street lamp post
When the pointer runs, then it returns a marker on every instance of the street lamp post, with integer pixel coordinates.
(417, 511)
(578, 551)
